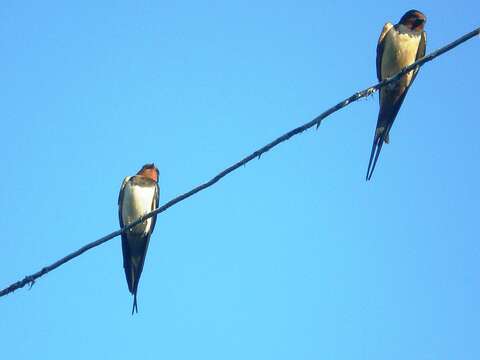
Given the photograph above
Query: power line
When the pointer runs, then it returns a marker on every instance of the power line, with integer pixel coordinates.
(30, 279)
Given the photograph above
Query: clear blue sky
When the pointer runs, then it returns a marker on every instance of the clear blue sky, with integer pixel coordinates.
(294, 256)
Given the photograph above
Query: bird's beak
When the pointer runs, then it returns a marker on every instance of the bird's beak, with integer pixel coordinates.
(419, 22)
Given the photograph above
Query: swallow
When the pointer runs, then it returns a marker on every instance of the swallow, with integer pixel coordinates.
(399, 45)
(139, 195)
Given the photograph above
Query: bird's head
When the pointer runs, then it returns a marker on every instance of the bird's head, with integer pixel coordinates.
(414, 20)
(150, 171)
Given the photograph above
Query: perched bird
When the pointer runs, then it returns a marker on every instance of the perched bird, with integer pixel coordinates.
(139, 195)
(399, 45)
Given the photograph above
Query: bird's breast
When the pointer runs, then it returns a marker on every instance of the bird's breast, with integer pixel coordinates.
(400, 50)
(137, 201)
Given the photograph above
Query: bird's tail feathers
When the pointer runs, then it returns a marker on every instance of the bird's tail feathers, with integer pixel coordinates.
(135, 307)
(376, 149)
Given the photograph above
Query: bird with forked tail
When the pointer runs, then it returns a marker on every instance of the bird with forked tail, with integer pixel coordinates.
(399, 46)
(139, 195)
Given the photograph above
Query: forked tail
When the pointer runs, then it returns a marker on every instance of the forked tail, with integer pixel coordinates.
(376, 148)
(135, 307)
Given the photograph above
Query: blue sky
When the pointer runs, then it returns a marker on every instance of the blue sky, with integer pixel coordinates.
(294, 256)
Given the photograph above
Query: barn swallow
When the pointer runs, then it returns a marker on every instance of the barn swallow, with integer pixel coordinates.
(399, 45)
(139, 195)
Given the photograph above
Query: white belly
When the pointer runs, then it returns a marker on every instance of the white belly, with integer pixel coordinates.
(137, 201)
(400, 50)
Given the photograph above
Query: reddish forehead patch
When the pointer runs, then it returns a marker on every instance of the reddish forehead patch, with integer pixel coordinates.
(150, 172)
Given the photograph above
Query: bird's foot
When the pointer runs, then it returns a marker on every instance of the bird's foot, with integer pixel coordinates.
(370, 92)
(30, 281)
